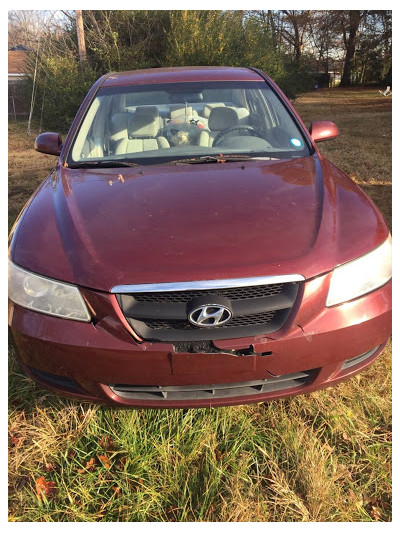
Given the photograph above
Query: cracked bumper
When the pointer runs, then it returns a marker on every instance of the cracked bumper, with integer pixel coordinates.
(89, 358)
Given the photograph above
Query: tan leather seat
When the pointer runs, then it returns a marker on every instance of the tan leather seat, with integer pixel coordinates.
(221, 118)
(150, 110)
(119, 121)
(209, 107)
(142, 134)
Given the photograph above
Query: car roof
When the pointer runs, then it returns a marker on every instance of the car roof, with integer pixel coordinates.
(181, 74)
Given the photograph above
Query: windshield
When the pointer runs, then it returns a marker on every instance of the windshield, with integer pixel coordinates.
(158, 123)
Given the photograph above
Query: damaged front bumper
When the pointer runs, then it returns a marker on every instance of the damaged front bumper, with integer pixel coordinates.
(101, 361)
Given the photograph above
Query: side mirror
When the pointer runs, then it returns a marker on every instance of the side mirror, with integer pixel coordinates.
(49, 143)
(323, 130)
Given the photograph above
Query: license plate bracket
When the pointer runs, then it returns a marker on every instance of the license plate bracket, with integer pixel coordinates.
(208, 365)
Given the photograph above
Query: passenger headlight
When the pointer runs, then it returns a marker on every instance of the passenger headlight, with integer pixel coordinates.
(45, 295)
(362, 275)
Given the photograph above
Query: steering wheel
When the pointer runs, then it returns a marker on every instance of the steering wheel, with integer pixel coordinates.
(248, 129)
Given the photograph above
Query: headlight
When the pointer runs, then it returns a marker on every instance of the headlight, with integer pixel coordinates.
(362, 275)
(45, 295)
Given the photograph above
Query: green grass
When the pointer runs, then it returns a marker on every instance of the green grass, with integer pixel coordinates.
(320, 457)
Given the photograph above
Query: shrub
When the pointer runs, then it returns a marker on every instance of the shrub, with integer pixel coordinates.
(61, 84)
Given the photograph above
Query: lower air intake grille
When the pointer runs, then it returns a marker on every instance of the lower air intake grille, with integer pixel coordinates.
(221, 390)
(54, 380)
(358, 359)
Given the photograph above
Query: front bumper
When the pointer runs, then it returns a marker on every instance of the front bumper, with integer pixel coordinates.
(101, 361)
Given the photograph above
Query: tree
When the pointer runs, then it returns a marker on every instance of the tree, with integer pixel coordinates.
(295, 47)
(126, 39)
(81, 35)
(373, 57)
(206, 37)
(350, 22)
(27, 27)
(294, 30)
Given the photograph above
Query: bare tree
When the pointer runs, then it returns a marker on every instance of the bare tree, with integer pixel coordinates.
(26, 27)
(350, 22)
(294, 29)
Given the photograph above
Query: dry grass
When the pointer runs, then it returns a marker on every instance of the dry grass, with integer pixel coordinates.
(321, 457)
(364, 147)
(26, 168)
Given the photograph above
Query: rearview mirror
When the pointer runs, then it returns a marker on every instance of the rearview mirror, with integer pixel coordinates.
(323, 130)
(49, 143)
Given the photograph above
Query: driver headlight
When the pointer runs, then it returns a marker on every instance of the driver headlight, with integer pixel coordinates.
(45, 295)
(363, 275)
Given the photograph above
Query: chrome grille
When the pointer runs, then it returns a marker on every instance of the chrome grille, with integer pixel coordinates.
(162, 313)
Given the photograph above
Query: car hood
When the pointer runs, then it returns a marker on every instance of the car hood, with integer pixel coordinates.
(163, 223)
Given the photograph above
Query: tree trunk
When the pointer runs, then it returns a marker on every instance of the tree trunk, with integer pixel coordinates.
(81, 35)
(350, 44)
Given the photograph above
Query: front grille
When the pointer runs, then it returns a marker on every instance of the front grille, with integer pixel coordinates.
(235, 293)
(211, 392)
(163, 315)
(237, 321)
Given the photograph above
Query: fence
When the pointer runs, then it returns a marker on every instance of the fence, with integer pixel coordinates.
(17, 106)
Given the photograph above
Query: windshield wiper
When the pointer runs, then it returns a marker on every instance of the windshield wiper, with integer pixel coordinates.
(106, 163)
(212, 159)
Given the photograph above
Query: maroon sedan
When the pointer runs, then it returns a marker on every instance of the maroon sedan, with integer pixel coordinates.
(193, 248)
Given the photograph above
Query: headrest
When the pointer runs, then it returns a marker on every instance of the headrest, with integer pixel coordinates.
(241, 112)
(178, 110)
(147, 110)
(142, 126)
(222, 118)
(209, 107)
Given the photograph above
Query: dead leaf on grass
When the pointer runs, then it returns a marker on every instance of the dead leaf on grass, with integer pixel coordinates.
(90, 466)
(117, 490)
(46, 488)
(374, 508)
(15, 440)
(345, 437)
(375, 513)
(218, 455)
(105, 461)
(71, 453)
(107, 443)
